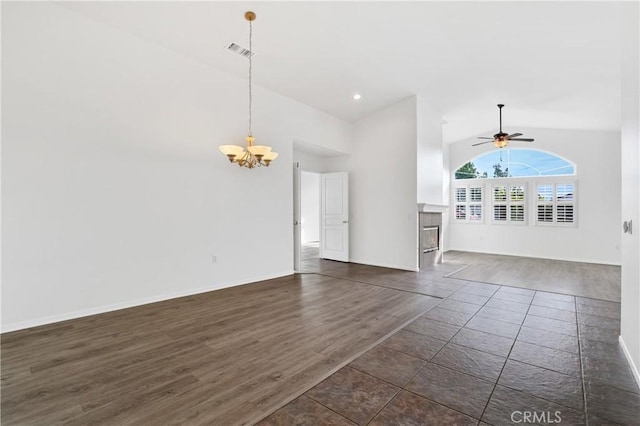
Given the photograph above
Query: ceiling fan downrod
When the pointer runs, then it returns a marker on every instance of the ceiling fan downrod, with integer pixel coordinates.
(500, 109)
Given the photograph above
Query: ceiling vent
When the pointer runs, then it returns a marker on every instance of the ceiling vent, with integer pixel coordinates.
(240, 50)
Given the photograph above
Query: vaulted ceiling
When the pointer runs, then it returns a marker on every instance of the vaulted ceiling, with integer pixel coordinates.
(554, 64)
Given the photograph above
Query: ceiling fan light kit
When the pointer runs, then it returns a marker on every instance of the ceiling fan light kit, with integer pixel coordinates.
(501, 139)
(254, 155)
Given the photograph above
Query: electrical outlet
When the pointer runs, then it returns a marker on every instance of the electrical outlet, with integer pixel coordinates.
(214, 259)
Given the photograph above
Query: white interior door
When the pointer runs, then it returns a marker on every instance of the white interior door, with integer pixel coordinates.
(334, 216)
(297, 236)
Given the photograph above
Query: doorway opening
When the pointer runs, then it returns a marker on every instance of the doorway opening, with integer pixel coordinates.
(320, 206)
(309, 216)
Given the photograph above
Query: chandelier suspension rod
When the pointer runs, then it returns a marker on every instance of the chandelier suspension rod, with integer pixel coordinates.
(250, 70)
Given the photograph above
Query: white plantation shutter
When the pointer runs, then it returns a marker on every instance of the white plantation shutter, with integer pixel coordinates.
(545, 213)
(500, 203)
(461, 212)
(461, 203)
(509, 203)
(500, 212)
(516, 201)
(565, 192)
(499, 193)
(556, 203)
(468, 203)
(475, 203)
(545, 193)
(516, 194)
(516, 213)
(545, 203)
(475, 194)
(475, 212)
(564, 213)
(565, 197)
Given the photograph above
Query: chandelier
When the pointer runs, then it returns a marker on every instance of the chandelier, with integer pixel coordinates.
(254, 155)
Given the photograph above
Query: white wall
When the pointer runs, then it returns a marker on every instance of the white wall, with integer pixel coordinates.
(597, 236)
(429, 158)
(630, 325)
(310, 206)
(114, 191)
(446, 188)
(383, 188)
(432, 163)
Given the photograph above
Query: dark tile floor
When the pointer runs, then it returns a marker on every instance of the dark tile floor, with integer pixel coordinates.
(487, 354)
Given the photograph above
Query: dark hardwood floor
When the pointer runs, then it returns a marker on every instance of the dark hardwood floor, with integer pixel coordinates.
(339, 344)
(224, 357)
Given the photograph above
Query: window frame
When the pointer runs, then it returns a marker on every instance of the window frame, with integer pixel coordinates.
(509, 184)
(530, 177)
(468, 202)
(554, 203)
(530, 202)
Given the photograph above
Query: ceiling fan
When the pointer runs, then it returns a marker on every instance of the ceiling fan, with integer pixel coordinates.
(501, 139)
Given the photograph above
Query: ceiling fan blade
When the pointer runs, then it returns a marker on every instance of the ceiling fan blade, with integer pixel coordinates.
(514, 135)
(484, 137)
(521, 139)
(482, 143)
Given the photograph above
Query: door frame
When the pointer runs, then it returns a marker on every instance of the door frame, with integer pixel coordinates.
(297, 207)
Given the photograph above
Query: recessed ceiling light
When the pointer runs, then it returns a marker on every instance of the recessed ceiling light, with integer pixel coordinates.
(357, 97)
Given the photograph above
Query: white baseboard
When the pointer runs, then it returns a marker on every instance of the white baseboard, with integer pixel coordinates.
(634, 367)
(21, 325)
(533, 256)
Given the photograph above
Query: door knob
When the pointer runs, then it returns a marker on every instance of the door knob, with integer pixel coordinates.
(627, 227)
(295, 222)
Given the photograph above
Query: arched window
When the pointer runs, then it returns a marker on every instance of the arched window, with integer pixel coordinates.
(518, 187)
(515, 163)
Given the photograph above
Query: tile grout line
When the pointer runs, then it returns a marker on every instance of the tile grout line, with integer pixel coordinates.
(317, 402)
(584, 388)
(462, 326)
(403, 387)
(400, 389)
(345, 364)
(451, 338)
(506, 359)
(555, 371)
(451, 274)
(420, 334)
(530, 304)
(561, 350)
